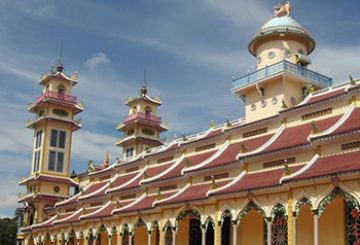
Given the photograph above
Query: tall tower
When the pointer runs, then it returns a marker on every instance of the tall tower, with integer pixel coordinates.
(142, 127)
(281, 78)
(54, 123)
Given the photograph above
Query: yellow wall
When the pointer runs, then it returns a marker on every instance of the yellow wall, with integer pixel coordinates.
(331, 225)
(251, 229)
(182, 236)
(141, 236)
(104, 238)
(305, 227)
(278, 47)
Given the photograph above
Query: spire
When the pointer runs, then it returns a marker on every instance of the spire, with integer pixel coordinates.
(143, 88)
(60, 66)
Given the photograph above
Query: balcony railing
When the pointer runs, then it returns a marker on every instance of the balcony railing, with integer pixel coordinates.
(282, 66)
(57, 96)
(143, 116)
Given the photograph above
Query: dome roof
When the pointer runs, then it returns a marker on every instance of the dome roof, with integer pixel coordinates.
(282, 25)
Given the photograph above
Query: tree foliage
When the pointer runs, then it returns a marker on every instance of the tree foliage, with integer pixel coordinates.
(8, 227)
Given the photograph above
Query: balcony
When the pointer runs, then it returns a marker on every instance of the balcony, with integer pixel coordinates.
(282, 66)
(57, 96)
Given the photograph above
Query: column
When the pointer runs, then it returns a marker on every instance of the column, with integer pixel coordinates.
(269, 231)
(94, 242)
(109, 240)
(203, 234)
(316, 229)
(130, 238)
(294, 228)
(149, 237)
(235, 230)
(118, 239)
(174, 237)
(220, 234)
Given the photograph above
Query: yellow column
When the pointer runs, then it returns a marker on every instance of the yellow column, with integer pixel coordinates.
(161, 233)
(216, 226)
(290, 219)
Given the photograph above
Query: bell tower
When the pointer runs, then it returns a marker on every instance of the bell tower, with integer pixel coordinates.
(282, 78)
(53, 126)
(142, 127)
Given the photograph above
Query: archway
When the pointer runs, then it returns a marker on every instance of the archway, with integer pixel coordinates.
(168, 229)
(90, 238)
(304, 222)
(225, 222)
(209, 237)
(47, 240)
(155, 233)
(102, 236)
(125, 233)
(279, 227)
(72, 239)
(31, 241)
(339, 219)
(188, 229)
(140, 232)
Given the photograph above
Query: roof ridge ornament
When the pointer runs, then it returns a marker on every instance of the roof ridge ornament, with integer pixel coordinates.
(282, 9)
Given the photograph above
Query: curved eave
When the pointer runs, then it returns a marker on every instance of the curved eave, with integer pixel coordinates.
(58, 75)
(123, 126)
(75, 125)
(76, 108)
(63, 180)
(281, 34)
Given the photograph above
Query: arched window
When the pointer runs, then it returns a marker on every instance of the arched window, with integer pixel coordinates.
(61, 92)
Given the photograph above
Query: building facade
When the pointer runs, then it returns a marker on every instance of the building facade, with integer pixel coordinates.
(286, 173)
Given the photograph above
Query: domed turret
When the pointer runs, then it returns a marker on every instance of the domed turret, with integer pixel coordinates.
(281, 38)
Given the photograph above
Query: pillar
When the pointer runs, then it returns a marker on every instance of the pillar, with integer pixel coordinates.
(235, 230)
(268, 229)
(203, 234)
(294, 228)
(290, 219)
(316, 229)
(109, 240)
(174, 237)
(217, 238)
(118, 239)
(149, 237)
(219, 234)
(130, 238)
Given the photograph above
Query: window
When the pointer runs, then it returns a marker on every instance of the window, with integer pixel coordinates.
(37, 150)
(129, 152)
(57, 138)
(56, 161)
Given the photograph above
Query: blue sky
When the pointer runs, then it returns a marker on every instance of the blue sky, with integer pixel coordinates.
(190, 49)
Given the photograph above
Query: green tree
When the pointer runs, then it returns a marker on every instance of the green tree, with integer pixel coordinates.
(8, 227)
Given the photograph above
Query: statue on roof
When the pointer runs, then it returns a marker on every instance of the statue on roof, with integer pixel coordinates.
(283, 9)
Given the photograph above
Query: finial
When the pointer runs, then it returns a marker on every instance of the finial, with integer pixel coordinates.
(283, 9)
(60, 66)
(212, 124)
(284, 105)
(214, 185)
(73, 174)
(91, 167)
(143, 89)
(243, 148)
(314, 129)
(159, 195)
(184, 138)
(287, 170)
(352, 81)
(228, 123)
(106, 160)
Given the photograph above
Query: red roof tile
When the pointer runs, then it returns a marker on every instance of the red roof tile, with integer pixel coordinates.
(326, 96)
(330, 165)
(93, 190)
(144, 204)
(103, 211)
(192, 193)
(120, 180)
(352, 123)
(257, 180)
(228, 156)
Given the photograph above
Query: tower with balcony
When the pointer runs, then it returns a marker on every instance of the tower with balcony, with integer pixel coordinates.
(282, 78)
(142, 127)
(53, 126)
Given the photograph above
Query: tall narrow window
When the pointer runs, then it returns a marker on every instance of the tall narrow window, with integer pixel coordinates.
(37, 150)
(57, 138)
(56, 161)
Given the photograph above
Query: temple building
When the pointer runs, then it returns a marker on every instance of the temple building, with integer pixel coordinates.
(286, 173)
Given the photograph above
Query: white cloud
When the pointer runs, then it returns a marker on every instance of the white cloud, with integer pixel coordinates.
(96, 60)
